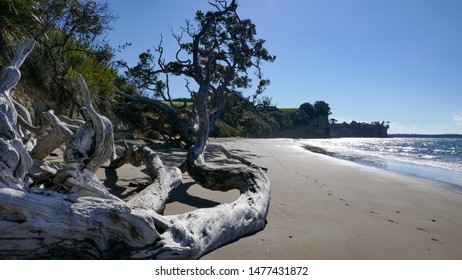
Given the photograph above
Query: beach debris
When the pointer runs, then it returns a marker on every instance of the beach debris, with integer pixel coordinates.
(73, 215)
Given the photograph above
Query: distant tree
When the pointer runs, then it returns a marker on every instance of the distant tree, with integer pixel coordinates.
(333, 121)
(308, 108)
(322, 108)
(264, 103)
(359, 129)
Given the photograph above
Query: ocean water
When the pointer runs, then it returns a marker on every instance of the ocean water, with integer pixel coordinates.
(434, 158)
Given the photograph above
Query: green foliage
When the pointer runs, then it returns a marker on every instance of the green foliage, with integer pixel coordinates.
(16, 19)
(359, 129)
(143, 76)
(99, 77)
(83, 21)
(124, 86)
(322, 108)
(288, 110)
(299, 117)
(253, 125)
(308, 109)
(307, 112)
(282, 118)
(226, 130)
(270, 121)
(68, 34)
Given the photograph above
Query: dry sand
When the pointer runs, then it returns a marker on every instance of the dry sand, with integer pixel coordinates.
(326, 208)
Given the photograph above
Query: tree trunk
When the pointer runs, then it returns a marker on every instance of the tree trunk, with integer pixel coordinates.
(219, 109)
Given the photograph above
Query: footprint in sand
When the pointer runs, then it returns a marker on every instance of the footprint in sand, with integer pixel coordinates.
(346, 204)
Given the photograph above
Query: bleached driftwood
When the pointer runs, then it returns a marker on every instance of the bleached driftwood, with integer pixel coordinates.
(164, 180)
(49, 225)
(76, 217)
(14, 158)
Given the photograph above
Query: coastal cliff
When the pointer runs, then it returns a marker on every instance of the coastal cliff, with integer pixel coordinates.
(317, 127)
(359, 129)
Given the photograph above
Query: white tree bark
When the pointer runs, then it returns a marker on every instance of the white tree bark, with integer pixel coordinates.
(14, 158)
(164, 180)
(76, 217)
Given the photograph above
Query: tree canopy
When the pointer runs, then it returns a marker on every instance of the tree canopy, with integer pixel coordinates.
(216, 51)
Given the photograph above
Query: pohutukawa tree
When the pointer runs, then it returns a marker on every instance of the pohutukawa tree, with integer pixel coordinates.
(217, 51)
(52, 212)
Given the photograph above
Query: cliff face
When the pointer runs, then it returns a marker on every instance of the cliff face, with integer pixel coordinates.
(317, 127)
(354, 129)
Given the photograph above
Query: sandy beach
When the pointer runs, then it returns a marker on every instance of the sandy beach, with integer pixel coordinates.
(324, 208)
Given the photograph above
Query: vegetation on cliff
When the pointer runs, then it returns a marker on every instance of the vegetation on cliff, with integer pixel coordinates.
(266, 120)
(70, 40)
(359, 129)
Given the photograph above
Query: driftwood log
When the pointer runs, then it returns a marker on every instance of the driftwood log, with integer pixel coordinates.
(72, 215)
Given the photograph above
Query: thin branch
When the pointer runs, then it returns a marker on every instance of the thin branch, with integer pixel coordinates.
(178, 39)
(164, 68)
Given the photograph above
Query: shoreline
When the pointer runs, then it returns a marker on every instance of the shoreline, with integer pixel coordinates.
(401, 167)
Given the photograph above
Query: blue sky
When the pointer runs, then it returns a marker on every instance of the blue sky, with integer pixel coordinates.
(371, 60)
